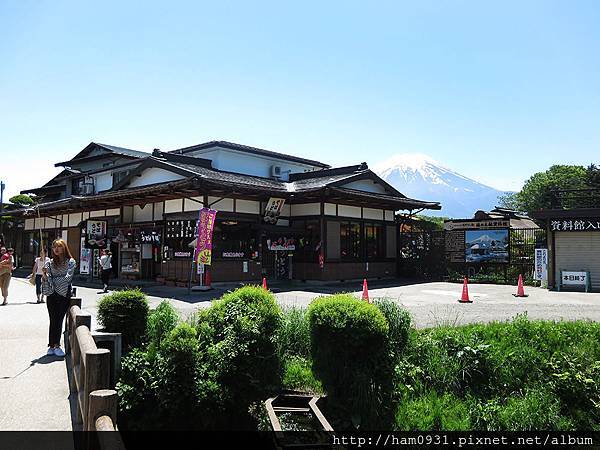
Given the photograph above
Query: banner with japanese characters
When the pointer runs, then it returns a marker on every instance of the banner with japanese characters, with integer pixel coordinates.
(206, 224)
(95, 236)
(541, 264)
(578, 224)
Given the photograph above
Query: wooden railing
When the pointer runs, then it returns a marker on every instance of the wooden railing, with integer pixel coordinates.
(89, 377)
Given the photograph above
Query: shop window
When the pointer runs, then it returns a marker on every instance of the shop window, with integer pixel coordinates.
(308, 243)
(374, 241)
(350, 241)
(234, 240)
(179, 234)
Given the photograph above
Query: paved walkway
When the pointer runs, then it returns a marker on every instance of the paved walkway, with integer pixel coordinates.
(34, 390)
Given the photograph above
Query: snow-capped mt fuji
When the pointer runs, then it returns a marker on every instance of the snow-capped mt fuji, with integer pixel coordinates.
(420, 176)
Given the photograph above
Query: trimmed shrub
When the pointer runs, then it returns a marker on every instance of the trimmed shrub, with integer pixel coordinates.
(349, 348)
(399, 322)
(125, 312)
(239, 363)
(293, 336)
(161, 322)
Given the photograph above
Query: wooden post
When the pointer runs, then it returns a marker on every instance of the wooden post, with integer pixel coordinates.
(97, 375)
(102, 402)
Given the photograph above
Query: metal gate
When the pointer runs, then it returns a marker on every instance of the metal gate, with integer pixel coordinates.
(422, 254)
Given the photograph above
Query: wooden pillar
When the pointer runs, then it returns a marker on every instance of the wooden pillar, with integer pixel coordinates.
(97, 376)
(102, 402)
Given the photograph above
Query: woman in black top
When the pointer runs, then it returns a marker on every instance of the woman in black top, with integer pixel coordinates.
(58, 275)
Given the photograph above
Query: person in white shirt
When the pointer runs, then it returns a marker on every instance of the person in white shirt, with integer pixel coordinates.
(106, 267)
(37, 272)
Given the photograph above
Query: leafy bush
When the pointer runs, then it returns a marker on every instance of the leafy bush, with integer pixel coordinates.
(293, 335)
(176, 377)
(137, 398)
(298, 375)
(239, 362)
(160, 323)
(349, 348)
(125, 312)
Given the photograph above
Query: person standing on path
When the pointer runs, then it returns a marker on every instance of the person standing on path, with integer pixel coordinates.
(6, 269)
(106, 266)
(57, 277)
(38, 272)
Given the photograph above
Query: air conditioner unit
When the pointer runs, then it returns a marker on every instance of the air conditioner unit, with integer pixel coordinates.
(276, 171)
(87, 189)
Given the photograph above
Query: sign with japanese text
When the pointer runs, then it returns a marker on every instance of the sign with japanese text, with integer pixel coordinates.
(95, 235)
(575, 224)
(85, 258)
(206, 224)
(476, 224)
(574, 278)
(541, 264)
(273, 210)
(281, 244)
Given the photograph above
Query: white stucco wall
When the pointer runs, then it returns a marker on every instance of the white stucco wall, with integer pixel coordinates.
(154, 175)
(365, 185)
(348, 211)
(240, 162)
(306, 209)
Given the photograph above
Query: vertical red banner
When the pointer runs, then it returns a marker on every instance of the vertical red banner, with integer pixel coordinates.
(206, 224)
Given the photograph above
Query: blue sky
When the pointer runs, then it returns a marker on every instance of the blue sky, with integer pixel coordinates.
(514, 86)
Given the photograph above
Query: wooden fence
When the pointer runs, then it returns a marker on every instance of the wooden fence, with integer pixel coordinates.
(89, 378)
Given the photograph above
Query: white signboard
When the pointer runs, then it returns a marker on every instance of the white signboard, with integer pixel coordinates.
(200, 269)
(85, 258)
(574, 278)
(541, 264)
(273, 210)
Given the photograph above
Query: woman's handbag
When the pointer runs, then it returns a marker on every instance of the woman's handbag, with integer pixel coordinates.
(32, 279)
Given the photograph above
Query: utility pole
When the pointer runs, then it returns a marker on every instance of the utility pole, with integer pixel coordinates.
(2, 186)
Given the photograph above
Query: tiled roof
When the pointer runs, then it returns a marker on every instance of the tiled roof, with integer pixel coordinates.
(123, 150)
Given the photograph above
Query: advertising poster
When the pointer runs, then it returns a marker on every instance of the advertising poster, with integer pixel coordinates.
(483, 246)
(95, 235)
(206, 224)
(85, 259)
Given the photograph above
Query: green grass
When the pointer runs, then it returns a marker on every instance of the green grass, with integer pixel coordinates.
(298, 375)
(518, 375)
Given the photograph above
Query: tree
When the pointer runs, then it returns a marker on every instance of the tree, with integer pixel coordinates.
(593, 176)
(537, 193)
(21, 200)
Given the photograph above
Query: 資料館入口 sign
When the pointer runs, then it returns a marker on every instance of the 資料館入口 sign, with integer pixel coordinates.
(578, 224)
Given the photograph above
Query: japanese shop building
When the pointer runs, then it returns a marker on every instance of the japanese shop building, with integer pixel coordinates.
(335, 223)
(573, 239)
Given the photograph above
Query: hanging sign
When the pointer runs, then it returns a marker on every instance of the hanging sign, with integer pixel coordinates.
(541, 264)
(95, 235)
(273, 210)
(206, 224)
(281, 244)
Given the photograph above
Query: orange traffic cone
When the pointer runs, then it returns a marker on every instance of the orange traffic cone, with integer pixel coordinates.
(465, 293)
(365, 294)
(265, 284)
(520, 290)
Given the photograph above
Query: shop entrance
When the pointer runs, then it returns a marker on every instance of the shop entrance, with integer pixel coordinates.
(277, 257)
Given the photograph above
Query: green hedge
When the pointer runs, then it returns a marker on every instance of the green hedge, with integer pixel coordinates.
(125, 312)
(349, 349)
